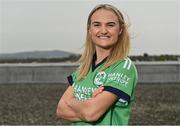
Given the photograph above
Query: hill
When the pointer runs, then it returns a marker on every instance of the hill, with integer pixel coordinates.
(36, 55)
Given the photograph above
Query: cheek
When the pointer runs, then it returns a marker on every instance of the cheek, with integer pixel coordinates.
(115, 33)
(92, 32)
(92, 35)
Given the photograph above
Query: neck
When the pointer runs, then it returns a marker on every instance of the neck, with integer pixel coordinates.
(101, 54)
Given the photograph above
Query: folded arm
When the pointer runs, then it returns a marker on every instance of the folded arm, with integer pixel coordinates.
(92, 109)
(63, 110)
(89, 110)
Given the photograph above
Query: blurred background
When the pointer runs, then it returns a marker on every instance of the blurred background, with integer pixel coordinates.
(29, 25)
(41, 40)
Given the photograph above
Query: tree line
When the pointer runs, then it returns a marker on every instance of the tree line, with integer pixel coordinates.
(75, 58)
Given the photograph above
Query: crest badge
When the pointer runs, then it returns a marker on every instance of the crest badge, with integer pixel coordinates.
(100, 78)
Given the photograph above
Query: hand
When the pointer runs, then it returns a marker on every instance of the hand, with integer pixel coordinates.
(97, 91)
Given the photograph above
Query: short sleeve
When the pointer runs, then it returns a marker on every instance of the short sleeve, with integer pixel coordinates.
(71, 78)
(121, 80)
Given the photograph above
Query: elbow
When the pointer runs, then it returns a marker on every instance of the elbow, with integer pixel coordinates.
(90, 116)
(59, 112)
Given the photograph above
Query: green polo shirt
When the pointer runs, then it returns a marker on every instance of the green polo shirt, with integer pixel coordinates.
(119, 79)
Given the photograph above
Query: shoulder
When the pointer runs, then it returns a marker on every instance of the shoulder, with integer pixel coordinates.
(125, 64)
(76, 72)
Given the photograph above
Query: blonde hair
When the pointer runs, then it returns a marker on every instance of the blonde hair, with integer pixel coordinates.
(120, 49)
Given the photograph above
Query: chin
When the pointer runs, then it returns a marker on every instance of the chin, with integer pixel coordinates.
(106, 47)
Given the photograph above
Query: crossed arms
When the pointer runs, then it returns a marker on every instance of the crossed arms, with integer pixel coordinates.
(89, 110)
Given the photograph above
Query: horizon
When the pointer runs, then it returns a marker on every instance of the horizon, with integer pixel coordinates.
(32, 51)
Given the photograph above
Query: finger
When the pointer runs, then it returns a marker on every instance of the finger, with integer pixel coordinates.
(98, 91)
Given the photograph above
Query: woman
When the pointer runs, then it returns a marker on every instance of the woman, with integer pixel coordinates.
(101, 90)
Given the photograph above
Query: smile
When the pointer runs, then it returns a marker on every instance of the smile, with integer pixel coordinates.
(103, 37)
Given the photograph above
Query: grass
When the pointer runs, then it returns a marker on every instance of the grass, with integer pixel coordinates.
(35, 104)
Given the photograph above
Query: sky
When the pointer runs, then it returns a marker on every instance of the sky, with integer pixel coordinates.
(29, 25)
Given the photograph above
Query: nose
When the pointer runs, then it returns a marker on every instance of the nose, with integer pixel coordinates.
(103, 30)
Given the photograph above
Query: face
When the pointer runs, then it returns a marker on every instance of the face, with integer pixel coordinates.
(104, 29)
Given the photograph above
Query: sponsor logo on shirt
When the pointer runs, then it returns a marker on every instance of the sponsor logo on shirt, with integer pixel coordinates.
(119, 78)
(82, 92)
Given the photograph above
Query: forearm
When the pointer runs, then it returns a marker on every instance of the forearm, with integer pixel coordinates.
(69, 114)
(80, 108)
(92, 109)
(65, 112)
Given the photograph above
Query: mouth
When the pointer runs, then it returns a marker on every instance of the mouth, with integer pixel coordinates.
(103, 37)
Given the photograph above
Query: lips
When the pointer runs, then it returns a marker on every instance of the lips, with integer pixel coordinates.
(103, 37)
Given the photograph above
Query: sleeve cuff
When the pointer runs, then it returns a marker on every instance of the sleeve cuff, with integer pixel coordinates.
(70, 79)
(119, 93)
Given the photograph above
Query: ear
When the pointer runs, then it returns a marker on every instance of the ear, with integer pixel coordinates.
(89, 30)
(120, 31)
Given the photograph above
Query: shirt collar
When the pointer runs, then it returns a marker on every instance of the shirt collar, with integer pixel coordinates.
(94, 65)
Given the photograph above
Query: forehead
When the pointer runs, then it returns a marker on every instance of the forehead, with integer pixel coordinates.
(104, 15)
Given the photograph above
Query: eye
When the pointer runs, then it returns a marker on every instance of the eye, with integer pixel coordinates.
(111, 25)
(96, 25)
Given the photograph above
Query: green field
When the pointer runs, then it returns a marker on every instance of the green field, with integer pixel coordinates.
(35, 104)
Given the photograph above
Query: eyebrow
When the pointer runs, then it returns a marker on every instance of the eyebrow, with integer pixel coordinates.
(97, 22)
(111, 23)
